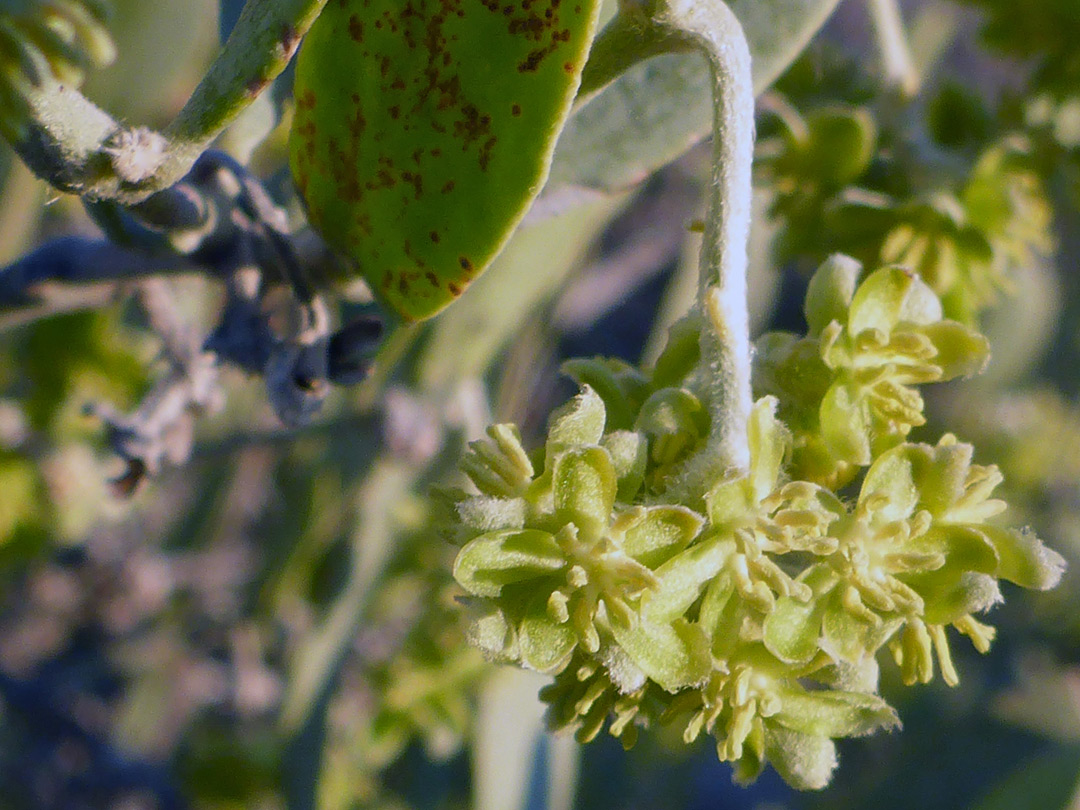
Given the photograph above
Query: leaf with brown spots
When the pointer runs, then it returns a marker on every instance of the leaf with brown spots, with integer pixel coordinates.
(425, 128)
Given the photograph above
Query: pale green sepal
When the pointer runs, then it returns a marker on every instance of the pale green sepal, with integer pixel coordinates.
(544, 645)
(584, 486)
(793, 628)
(494, 636)
(729, 503)
(580, 421)
(891, 480)
(682, 579)
(804, 761)
(768, 443)
(483, 513)
(674, 655)
(879, 302)
(624, 673)
(841, 142)
(621, 386)
(495, 559)
(672, 411)
(847, 638)
(830, 291)
(961, 547)
(922, 306)
(1024, 559)
(940, 475)
(629, 455)
(718, 594)
(747, 768)
(961, 351)
(949, 594)
(828, 713)
(845, 424)
(680, 355)
(659, 533)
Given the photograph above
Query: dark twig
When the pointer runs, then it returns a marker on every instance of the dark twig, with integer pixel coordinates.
(219, 221)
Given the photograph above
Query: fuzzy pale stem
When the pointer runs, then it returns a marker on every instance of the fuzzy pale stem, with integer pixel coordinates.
(725, 336)
(710, 26)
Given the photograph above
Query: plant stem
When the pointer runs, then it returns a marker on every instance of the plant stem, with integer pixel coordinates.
(712, 29)
(896, 60)
(79, 148)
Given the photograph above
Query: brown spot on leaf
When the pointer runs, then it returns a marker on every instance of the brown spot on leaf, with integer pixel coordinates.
(356, 28)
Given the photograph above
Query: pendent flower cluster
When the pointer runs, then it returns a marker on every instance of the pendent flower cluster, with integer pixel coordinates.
(752, 610)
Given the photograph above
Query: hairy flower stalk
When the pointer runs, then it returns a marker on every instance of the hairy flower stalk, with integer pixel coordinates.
(713, 30)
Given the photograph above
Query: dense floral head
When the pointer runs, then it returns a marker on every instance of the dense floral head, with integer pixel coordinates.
(755, 609)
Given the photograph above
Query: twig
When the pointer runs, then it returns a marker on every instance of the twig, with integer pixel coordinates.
(75, 272)
(77, 147)
(897, 63)
(245, 240)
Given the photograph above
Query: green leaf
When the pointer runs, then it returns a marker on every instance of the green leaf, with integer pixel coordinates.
(1024, 559)
(658, 109)
(674, 655)
(660, 532)
(495, 559)
(466, 339)
(579, 422)
(845, 424)
(828, 713)
(830, 291)
(419, 159)
(584, 485)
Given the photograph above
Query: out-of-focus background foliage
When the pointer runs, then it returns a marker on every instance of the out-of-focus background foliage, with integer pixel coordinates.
(272, 624)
